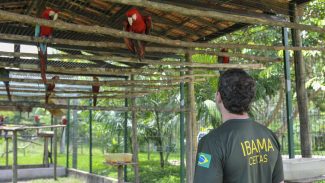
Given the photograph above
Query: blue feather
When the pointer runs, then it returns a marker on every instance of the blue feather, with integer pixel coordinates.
(37, 30)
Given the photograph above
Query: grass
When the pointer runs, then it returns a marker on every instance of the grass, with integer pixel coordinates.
(150, 170)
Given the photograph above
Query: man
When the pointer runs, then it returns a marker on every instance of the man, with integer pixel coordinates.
(240, 150)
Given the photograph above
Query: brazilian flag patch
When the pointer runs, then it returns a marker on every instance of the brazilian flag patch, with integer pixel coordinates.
(204, 160)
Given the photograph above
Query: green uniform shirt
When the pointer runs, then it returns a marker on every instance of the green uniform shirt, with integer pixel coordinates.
(240, 150)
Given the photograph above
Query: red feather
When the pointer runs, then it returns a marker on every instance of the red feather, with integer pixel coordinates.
(141, 25)
(50, 88)
(95, 89)
(47, 31)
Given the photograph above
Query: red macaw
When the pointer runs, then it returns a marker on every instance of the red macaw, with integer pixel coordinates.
(223, 59)
(5, 74)
(64, 120)
(50, 88)
(44, 32)
(138, 24)
(95, 88)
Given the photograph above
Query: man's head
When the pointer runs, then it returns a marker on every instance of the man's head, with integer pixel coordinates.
(236, 91)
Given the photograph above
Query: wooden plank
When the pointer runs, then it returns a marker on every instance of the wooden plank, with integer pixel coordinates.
(76, 107)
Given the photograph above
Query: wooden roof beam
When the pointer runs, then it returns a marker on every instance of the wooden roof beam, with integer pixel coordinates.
(227, 16)
(119, 33)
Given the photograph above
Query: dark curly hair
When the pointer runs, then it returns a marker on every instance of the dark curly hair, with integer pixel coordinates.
(237, 90)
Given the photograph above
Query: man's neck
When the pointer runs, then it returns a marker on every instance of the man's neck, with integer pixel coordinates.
(227, 116)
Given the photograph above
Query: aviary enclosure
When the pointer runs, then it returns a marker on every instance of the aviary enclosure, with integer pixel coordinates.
(103, 63)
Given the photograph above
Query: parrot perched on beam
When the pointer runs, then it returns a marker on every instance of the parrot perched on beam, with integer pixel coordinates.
(50, 88)
(5, 74)
(95, 90)
(44, 32)
(223, 59)
(136, 23)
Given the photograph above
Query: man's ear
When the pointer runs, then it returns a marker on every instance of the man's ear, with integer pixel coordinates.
(218, 98)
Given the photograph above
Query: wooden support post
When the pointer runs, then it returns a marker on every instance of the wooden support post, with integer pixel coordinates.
(7, 149)
(14, 162)
(126, 136)
(90, 138)
(51, 140)
(300, 74)
(46, 152)
(181, 133)
(191, 143)
(54, 153)
(68, 137)
(135, 140)
(75, 134)
(120, 174)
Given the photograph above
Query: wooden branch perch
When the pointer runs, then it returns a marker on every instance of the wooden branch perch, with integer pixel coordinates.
(75, 107)
(133, 83)
(41, 97)
(161, 49)
(22, 90)
(227, 16)
(144, 61)
(99, 71)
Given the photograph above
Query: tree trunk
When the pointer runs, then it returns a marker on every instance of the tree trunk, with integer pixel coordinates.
(160, 140)
(300, 74)
(119, 139)
(169, 147)
(161, 154)
(75, 137)
(148, 149)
